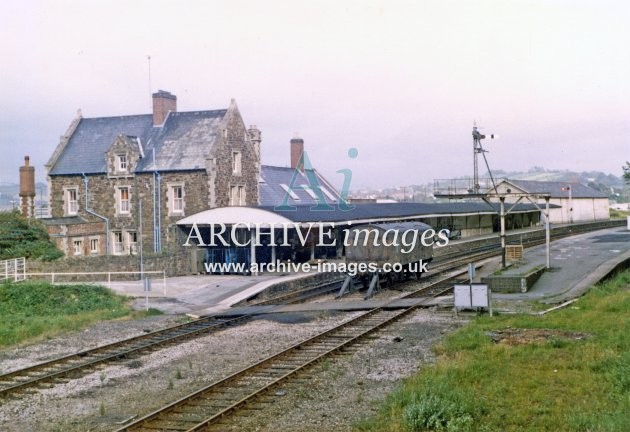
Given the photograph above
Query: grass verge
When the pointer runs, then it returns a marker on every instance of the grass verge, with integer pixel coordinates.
(34, 310)
(550, 382)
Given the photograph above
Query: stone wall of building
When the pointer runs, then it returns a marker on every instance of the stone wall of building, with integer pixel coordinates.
(102, 199)
(234, 137)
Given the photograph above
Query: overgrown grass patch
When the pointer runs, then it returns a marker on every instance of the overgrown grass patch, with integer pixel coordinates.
(551, 382)
(31, 309)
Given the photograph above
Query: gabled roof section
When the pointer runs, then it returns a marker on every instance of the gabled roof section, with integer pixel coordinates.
(557, 189)
(274, 182)
(182, 143)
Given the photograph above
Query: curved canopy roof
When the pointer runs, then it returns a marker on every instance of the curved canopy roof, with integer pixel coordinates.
(234, 215)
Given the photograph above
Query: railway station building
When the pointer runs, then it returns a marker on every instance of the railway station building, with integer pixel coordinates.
(574, 202)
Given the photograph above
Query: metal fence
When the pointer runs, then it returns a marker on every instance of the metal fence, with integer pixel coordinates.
(13, 269)
(108, 277)
(462, 186)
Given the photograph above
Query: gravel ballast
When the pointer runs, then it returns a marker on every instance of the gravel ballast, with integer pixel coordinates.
(333, 395)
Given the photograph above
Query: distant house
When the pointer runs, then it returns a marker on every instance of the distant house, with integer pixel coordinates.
(118, 182)
(577, 203)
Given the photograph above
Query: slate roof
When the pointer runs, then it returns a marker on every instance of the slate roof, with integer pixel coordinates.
(555, 189)
(271, 192)
(373, 211)
(182, 143)
(66, 220)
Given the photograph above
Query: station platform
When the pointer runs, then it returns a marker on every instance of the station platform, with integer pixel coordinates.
(577, 262)
(202, 294)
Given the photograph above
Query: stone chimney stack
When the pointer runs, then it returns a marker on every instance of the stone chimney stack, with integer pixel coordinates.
(297, 148)
(255, 136)
(27, 189)
(163, 103)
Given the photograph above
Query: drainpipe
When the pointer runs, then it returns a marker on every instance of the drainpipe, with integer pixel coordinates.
(157, 214)
(85, 180)
(155, 247)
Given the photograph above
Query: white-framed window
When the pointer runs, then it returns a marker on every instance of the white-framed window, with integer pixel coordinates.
(72, 201)
(94, 246)
(77, 247)
(233, 195)
(123, 200)
(177, 192)
(241, 195)
(122, 162)
(132, 241)
(119, 246)
(236, 163)
(237, 196)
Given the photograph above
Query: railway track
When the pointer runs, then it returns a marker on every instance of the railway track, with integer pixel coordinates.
(301, 295)
(62, 369)
(213, 404)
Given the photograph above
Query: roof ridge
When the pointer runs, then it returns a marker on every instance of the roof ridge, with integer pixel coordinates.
(150, 115)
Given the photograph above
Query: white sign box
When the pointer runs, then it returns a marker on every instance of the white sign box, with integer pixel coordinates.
(471, 296)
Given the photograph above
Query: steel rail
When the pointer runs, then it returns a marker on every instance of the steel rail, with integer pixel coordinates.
(85, 361)
(226, 403)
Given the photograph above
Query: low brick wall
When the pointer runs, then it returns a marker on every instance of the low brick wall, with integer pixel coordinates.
(513, 283)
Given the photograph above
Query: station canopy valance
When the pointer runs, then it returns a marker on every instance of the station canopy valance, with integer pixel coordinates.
(235, 215)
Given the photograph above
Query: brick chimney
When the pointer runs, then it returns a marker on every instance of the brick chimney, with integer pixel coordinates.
(27, 189)
(163, 103)
(297, 148)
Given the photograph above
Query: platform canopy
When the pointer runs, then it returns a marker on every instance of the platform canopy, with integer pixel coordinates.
(235, 215)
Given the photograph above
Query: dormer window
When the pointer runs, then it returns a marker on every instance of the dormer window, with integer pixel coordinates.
(122, 162)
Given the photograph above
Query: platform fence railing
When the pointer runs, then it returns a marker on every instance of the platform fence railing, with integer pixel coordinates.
(93, 277)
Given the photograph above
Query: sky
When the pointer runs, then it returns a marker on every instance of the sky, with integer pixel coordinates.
(400, 81)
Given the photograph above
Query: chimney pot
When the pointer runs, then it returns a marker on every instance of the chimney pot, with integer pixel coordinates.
(163, 103)
(297, 148)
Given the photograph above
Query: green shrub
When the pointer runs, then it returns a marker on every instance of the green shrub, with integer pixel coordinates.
(22, 237)
(434, 412)
(31, 309)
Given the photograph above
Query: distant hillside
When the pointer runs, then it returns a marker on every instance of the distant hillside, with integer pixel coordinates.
(9, 197)
(542, 174)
